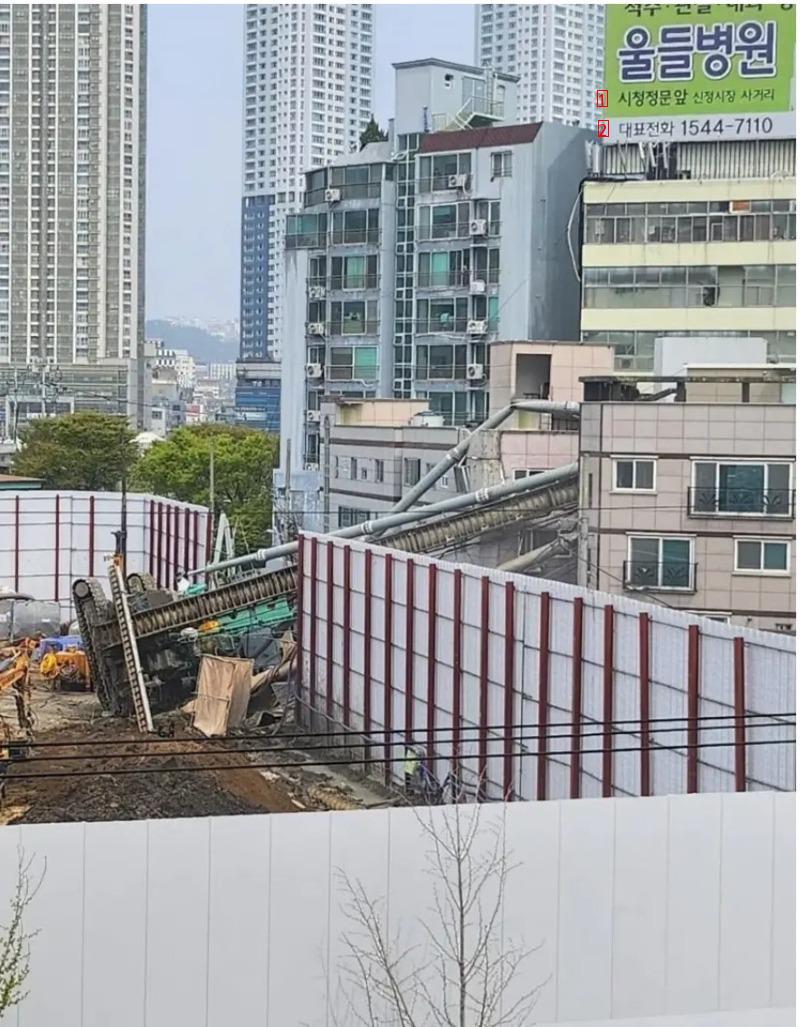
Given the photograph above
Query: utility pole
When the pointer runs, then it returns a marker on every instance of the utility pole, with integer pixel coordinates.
(211, 482)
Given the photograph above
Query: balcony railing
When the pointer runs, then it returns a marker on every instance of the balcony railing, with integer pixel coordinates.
(348, 373)
(306, 241)
(656, 576)
(354, 282)
(354, 191)
(354, 327)
(346, 237)
(441, 325)
(441, 183)
(725, 502)
(443, 279)
(440, 373)
(453, 230)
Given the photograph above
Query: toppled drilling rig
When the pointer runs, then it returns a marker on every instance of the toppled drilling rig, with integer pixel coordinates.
(172, 633)
(145, 643)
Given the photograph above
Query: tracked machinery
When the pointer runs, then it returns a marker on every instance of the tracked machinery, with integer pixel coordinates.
(144, 643)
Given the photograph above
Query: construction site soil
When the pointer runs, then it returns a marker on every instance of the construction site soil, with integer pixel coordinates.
(78, 784)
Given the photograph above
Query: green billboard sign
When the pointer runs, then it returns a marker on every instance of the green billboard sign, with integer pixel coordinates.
(695, 71)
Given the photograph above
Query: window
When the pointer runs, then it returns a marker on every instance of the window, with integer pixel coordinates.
(353, 364)
(348, 516)
(761, 556)
(411, 472)
(728, 285)
(723, 488)
(659, 563)
(691, 221)
(525, 472)
(501, 164)
(379, 470)
(634, 475)
(353, 468)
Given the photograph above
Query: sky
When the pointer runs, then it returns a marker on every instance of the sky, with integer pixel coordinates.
(194, 123)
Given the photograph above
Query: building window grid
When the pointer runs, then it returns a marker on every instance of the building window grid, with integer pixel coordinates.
(687, 222)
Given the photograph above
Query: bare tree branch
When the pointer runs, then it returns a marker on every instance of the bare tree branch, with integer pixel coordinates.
(462, 973)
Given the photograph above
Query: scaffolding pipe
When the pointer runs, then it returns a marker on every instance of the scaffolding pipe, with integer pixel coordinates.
(482, 497)
(535, 510)
(427, 481)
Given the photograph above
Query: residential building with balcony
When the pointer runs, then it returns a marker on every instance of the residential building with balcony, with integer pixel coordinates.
(491, 254)
(691, 502)
(72, 196)
(393, 282)
(690, 239)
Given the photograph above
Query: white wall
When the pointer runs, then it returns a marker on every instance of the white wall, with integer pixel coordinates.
(678, 909)
(48, 539)
(769, 670)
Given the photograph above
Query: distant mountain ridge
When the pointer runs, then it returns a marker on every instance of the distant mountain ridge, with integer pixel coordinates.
(205, 346)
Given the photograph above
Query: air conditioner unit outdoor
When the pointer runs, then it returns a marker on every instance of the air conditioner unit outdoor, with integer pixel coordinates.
(475, 372)
(477, 287)
(316, 328)
(316, 292)
(333, 195)
(313, 416)
(477, 226)
(476, 328)
(456, 181)
(313, 370)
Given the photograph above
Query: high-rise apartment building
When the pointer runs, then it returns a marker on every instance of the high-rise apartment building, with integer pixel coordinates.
(72, 160)
(307, 98)
(555, 49)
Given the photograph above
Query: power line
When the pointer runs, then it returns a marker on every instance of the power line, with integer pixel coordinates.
(443, 729)
(252, 765)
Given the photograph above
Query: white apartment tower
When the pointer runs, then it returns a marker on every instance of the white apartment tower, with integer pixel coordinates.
(72, 134)
(307, 98)
(555, 49)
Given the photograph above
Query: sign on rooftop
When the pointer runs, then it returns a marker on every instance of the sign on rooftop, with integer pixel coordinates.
(699, 72)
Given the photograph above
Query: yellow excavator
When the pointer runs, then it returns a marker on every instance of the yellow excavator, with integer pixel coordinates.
(15, 665)
(67, 670)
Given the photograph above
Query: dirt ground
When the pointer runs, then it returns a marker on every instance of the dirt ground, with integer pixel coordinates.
(76, 786)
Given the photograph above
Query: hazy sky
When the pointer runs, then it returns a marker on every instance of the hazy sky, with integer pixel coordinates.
(194, 138)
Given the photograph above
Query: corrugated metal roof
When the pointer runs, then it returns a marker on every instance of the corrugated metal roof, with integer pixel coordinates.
(477, 138)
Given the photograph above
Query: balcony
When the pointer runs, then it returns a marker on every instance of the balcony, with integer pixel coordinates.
(354, 282)
(356, 326)
(445, 183)
(443, 279)
(732, 502)
(653, 576)
(306, 241)
(349, 237)
(354, 191)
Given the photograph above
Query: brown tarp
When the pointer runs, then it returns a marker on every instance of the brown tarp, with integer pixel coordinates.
(223, 691)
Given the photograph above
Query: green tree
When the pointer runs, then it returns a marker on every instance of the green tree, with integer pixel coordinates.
(179, 467)
(77, 451)
(373, 133)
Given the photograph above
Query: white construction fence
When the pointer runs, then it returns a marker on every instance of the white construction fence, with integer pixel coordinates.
(525, 688)
(52, 538)
(678, 909)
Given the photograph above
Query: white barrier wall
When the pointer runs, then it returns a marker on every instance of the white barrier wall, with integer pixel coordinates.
(602, 695)
(51, 538)
(678, 908)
